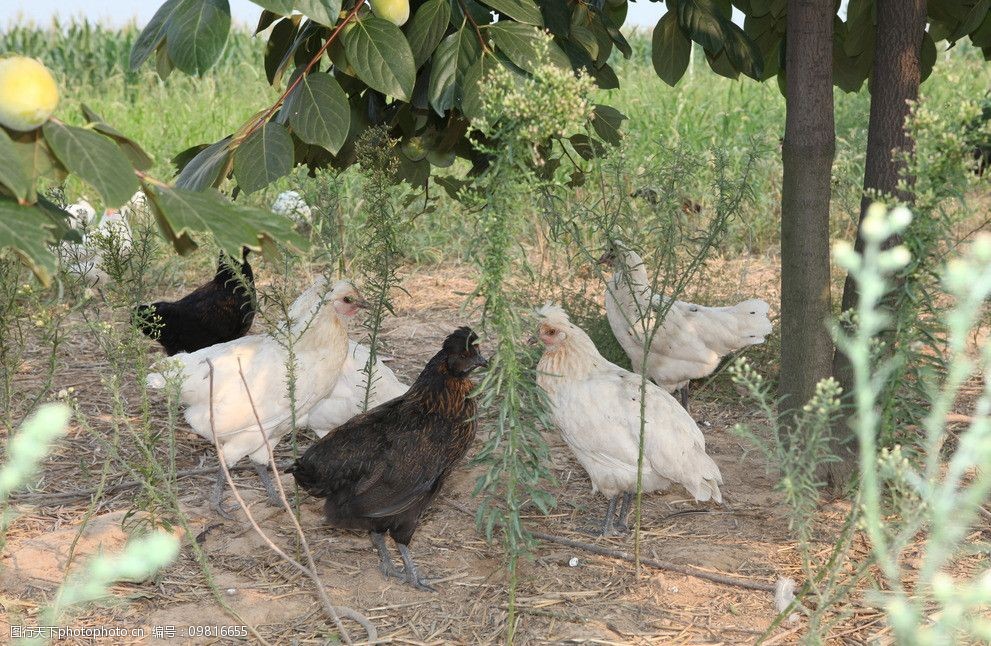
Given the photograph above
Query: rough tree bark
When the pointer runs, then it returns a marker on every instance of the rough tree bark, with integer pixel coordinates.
(894, 82)
(807, 155)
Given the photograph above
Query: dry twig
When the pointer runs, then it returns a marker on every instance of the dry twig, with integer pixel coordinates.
(335, 612)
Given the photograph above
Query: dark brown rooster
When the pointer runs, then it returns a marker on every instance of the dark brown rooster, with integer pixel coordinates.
(218, 311)
(379, 471)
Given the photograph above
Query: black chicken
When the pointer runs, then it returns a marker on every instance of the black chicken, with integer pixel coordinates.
(221, 310)
(380, 470)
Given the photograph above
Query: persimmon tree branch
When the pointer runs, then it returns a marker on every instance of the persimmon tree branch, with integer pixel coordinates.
(478, 30)
(292, 86)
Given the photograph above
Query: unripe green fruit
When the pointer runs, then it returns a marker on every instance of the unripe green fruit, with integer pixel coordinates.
(28, 94)
(395, 11)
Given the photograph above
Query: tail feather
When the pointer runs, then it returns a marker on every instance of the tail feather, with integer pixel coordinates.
(752, 318)
(726, 329)
(143, 318)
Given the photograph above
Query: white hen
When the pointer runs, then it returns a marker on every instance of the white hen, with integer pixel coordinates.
(292, 205)
(320, 347)
(348, 396)
(85, 260)
(692, 338)
(596, 404)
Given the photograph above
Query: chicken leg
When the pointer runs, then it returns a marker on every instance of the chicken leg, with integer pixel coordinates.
(266, 478)
(387, 567)
(606, 528)
(217, 497)
(412, 574)
(624, 512)
(683, 395)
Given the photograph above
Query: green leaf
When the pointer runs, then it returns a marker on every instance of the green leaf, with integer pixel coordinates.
(320, 112)
(586, 39)
(279, 48)
(722, 66)
(24, 230)
(523, 45)
(12, 172)
(606, 122)
(704, 24)
(281, 7)
(265, 156)
(557, 16)
(972, 21)
(152, 35)
(197, 33)
(743, 53)
(381, 57)
(760, 7)
(135, 154)
(587, 147)
(981, 37)
(480, 14)
(860, 29)
(206, 168)
(325, 12)
(850, 72)
(96, 159)
(470, 96)
(58, 218)
(163, 64)
(927, 56)
(37, 158)
(525, 11)
(454, 56)
(670, 50)
(427, 28)
(181, 213)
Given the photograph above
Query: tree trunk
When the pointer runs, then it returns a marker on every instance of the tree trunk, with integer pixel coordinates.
(894, 82)
(807, 154)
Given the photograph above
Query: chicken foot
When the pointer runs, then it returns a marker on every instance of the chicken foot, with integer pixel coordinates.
(683, 395)
(606, 528)
(412, 574)
(624, 512)
(610, 524)
(217, 497)
(387, 567)
(266, 478)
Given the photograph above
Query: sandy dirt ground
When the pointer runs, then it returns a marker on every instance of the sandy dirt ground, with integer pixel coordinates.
(566, 594)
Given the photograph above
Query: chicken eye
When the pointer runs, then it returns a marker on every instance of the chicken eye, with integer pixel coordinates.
(348, 300)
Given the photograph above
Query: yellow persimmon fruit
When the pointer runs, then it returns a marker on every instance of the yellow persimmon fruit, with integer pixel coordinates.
(395, 11)
(28, 94)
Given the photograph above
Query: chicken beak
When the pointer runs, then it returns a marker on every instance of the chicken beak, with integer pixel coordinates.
(361, 303)
(480, 362)
(604, 259)
(532, 341)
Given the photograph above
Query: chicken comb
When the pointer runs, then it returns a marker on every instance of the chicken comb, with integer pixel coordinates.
(462, 338)
(554, 312)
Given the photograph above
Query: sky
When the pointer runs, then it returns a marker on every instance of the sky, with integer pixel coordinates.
(121, 11)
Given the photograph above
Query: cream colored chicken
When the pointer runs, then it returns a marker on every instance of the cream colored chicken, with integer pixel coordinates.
(690, 341)
(348, 396)
(596, 405)
(321, 345)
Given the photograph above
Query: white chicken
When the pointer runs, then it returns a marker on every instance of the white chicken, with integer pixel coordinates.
(292, 205)
(596, 405)
(348, 396)
(690, 341)
(85, 260)
(321, 344)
